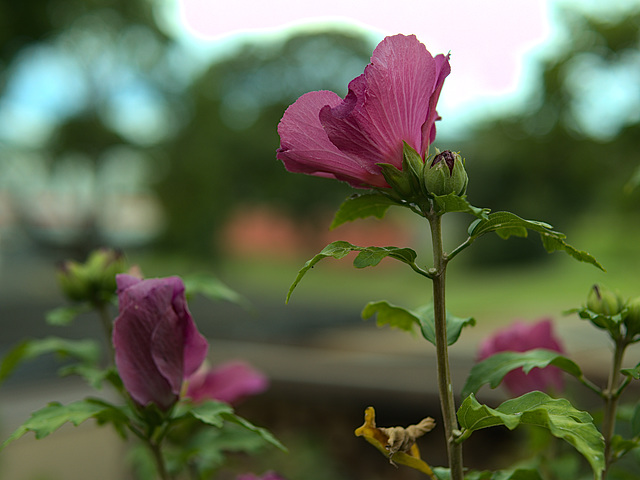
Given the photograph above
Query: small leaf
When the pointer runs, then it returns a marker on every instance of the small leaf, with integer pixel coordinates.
(454, 324)
(212, 288)
(84, 350)
(368, 257)
(493, 369)
(620, 446)
(456, 203)
(261, 432)
(362, 206)
(371, 256)
(48, 419)
(208, 412)
(63, 316)
(632, 372)
(537, 408)
(387, 314)
(506, 224)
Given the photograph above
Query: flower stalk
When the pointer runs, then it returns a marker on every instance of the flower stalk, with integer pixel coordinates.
(445, 387)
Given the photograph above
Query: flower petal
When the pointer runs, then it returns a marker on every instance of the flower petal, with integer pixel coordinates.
(229, 383)
(305, 147)
(388, 105)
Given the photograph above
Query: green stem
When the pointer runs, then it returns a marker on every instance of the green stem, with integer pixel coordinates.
(611, 395)
(107, 327)
(445, 388)
(157, 455)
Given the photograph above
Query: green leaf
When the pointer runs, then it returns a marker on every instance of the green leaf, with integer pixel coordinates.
(493, 369)
(261, 432)
(506, 224)
(620, 446)
(632, 372)
(362, 206)
(537, 408)
(212, 288)
(368, 257)
(48, 419)
(215, 413)
(371, 256)
(454, 324)
(394, 316)
(456, 203)
(87, 351)
(517, 474)
(63, 316)
(405, 319)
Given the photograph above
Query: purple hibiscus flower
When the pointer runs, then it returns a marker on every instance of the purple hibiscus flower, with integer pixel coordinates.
(394, 100)
(157, 345)
(522, 337)
(229, 382)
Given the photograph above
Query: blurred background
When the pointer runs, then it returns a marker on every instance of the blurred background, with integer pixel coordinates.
(150, 126)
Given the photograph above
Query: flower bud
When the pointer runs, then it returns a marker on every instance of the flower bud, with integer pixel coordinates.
(632, 317)
(445, 174)
(603, 301)
(92, 281)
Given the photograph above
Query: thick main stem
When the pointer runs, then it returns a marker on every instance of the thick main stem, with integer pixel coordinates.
(611, 396)
(445, 387)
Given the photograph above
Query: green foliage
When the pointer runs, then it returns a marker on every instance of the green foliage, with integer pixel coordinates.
(493, 369)
(362, 206)
(506, 224)
(368, 257)
(632, 372)
(86, 351)
(212, 288)
(458, 203)
(404, 319)
(48, 419)
(536, 408)
(63, 316)
(516, 474)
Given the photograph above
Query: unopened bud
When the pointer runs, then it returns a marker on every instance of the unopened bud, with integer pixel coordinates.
(445, 174)
(603, 301)
(632, 317)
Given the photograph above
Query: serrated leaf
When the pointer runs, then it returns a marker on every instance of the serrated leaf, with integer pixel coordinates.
(536, 408)
(371, 256)
(211, 287)
(507, 224)
(493, 369)
(210, 412)
(392, 315)
(48, 419)
(362, 206)
(454, 324)
(63, 316)
(456, 203)
(368, 257)
(87, 351)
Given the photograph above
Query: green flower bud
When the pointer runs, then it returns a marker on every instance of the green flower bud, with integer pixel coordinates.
(603, 301)
(93, 281)
(632, 317)
(445, 174)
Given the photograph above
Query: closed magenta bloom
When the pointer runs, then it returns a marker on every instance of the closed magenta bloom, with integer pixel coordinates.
(229, 382)
(157, 345)
(522, 337)
(392, 102)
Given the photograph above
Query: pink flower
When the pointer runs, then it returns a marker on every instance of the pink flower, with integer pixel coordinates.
(157, 344)
(229, 383)
(393, 101)
(266, 476)
(522, 337)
